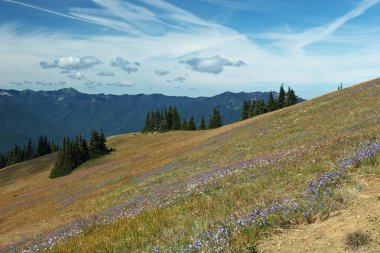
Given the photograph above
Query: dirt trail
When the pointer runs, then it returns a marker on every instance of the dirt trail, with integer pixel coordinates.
(363, 213)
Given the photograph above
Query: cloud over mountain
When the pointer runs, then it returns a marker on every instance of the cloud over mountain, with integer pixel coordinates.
(15, 83)
(212, 65)
(105, 73)
(76, 76)
(125, 65)
(161, 72)
(121, 84)
(50, 83)
(71, 63)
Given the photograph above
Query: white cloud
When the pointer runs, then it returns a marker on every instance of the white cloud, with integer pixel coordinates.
(121, 84)
(161, 72)
(71, 63)
(50, 83)
(105, 73)
(125, 65)
(213, 65)
(76, 76)
(15, 83)
(180, 79)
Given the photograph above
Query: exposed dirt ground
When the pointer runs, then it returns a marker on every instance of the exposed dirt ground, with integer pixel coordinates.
(362, 213)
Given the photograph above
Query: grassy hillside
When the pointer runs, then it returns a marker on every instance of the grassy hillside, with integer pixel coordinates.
(197, 190)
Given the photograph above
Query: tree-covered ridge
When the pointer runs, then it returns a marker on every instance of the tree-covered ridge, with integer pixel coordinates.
(169, 119)
(76, 151)
(253, 108)
(27, 152)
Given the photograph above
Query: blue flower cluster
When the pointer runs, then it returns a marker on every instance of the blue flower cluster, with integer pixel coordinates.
(313, 199)
(366, 151)
(217, 239)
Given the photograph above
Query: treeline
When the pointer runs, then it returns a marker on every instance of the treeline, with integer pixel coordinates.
(76, 151)
(253, 108)
(169, 119)
(27, 152)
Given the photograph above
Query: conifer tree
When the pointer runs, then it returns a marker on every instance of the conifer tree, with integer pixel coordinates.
(165, 124)
(281, 97)
(155, 121)
(147, 126)
(271, 103)
(15, 155)
(260, 107)
(28, 151)
(3, 161)
(245, 111)
(76, 151)
(202, 125)
(191, 125)
(97, 146)
(252, 109)
(72, 154)
(210, 123)
(184, 125)
(40, 147)
(291, 97)
(176, 119)
(216, 119)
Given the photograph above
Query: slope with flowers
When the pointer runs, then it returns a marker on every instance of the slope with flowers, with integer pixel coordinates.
(213, 190)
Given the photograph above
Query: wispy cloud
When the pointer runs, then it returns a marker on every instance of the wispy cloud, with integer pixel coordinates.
(297, 41)
(67, 15)
(247, 5)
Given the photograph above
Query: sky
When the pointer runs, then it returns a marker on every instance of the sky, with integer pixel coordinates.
(188, 47)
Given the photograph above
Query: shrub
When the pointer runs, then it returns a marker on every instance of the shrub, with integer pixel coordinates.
(356, 239)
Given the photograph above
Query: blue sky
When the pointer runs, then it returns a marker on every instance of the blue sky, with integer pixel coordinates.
(188, 47)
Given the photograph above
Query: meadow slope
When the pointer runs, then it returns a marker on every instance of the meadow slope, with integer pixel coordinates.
(191, 191)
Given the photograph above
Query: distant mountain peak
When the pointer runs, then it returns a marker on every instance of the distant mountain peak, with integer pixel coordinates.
(69, 91)
(4, 93)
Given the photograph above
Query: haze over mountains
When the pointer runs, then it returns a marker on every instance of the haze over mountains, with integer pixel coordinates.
(66, 112)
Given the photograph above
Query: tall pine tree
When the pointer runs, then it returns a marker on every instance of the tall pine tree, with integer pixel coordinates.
(281, 97)
(202, 125)
(245, 111)
(271, 103)
(191, 125)
(216, 119)
(3, 161)
(184, 125)
(291, 97)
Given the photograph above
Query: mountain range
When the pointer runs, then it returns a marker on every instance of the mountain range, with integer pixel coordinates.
(67, 112)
